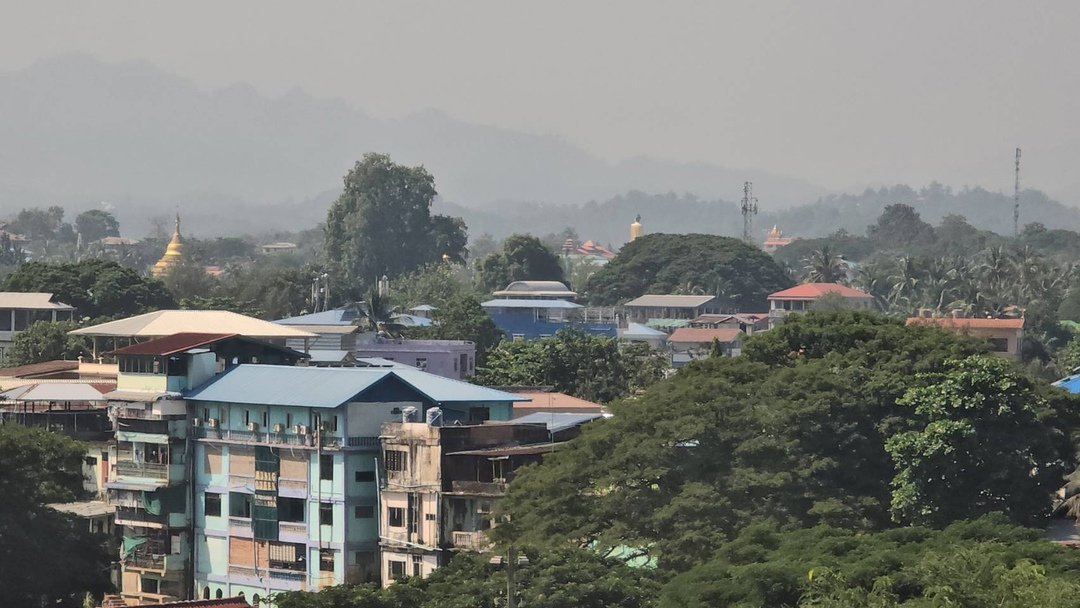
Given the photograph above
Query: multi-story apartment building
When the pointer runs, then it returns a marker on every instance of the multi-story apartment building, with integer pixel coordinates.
(152, 460)
(441, 485)
(286, 468)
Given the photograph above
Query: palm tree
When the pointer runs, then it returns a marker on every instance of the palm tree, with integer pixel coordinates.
(825, 266)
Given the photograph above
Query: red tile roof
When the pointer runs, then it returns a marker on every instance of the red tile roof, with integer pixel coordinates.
(954, 323)
(170, 345)
(702, 335)
(813, 291)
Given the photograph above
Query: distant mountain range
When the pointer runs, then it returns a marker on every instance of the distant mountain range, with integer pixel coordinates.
(77, 131)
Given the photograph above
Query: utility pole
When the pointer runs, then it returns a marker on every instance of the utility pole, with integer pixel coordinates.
(749, 208)
(1016, 198)
(511, 577)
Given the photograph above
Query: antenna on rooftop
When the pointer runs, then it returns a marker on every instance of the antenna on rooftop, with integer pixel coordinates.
(1016, 198)
(749, 208)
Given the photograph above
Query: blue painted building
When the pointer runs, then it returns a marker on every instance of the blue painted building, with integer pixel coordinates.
(287, 465)
(526, 310)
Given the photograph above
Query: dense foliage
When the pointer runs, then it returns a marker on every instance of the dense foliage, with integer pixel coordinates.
(96, 287)
(739, 274)
(382, 225)
(595, 368)
(46, 341)
(47, 558)
(521, 258)
(563, 578)
(986, 562)
(794, 432)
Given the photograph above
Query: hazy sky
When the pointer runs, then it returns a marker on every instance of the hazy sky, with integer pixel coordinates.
(838, 93)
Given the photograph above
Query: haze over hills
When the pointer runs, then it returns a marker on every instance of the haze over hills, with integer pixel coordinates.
(78, 131)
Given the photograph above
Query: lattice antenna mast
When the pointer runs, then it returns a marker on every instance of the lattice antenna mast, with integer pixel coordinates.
(749, 209)
(1016, 198)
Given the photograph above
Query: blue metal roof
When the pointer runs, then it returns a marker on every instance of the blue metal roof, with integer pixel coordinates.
(330, 387)
(345, 315)
(515, 303)
(1071, 384)
(558, 421)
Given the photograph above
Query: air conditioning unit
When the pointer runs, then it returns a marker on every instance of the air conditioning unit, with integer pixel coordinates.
(211, 423)
(197, 422)
(279, 428)
(296, 429)
(301, 429)
(324, 426)
(253, 426)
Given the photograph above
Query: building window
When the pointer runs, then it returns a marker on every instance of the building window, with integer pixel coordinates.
(999, 345)
(396, 517)
(417, 565)
(247, 417)
(239, 505)
(429, 517)
(326, 560)
(519, 337)
(364, 511)
(365, 476)
(256, 600)
(5, 320)
(397, 569)
(396, 460)
(326, 467)
(266, 420)
(291, 509)
(213, 505)
(149, 585)
(421, 363)
(287, 556)
(288, 419)
(326, 514)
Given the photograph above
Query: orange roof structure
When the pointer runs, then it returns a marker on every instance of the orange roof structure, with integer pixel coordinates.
(553, 403)
(704, 335)
(964, 323)
(813, 291)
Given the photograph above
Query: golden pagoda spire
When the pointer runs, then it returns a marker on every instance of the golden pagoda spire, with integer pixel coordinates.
(174, 252)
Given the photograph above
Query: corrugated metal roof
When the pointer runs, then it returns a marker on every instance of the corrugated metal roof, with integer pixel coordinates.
(517, 450)
(556, 401)
(701, 334)
(1071, 384)
(954, 323)
(557, 421)
(39, 369)
(546, 304)
(637, 330)
(664, 301)
(344, 315)
(329, 356)
(31, 300)
(168, 322)
(176, 343)
(329, 387)
(53, 392)
(84, 508)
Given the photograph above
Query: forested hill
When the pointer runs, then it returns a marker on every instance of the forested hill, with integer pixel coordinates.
(608, 222)
(77, 131)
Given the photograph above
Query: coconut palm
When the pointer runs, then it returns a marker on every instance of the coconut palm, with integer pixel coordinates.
(825, 266)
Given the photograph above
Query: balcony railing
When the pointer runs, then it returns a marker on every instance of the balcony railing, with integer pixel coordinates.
(292, 528)
(471, 541)
(362, 442)
(287, 437)
(144, 469)
(136, 515)
(478, 487)
(239, 525)
(155, 561)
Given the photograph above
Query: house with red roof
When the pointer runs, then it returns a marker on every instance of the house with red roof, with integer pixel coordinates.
(801, 297)
(688, 343)
(1006, 336)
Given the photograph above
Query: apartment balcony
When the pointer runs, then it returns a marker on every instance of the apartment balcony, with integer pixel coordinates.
(476, 541)
(278, 579)
(482, 488)
(287, 438)
(146, 560)
(139, 517)
(144, 470)
(149, 598)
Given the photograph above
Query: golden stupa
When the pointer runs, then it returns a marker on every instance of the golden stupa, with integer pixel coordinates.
(174, 253)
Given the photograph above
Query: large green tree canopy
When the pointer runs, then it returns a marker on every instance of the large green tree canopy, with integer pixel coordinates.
(740, 274)
(521, 258)
(382, 225)
(96, 287)
(46, 557)
(793, 432)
